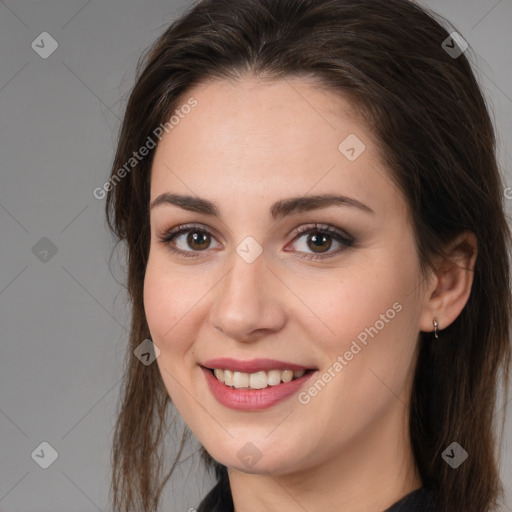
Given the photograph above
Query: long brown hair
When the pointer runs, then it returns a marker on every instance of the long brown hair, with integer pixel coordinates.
(435, 134)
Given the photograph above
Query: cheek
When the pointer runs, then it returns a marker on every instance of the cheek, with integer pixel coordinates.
(168, 307)
(170, 315)
(371, 317)
(343, 306)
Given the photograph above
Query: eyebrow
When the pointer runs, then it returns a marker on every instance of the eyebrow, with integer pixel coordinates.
(278, 210)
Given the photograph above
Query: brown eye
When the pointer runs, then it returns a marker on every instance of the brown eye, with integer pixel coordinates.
(318, 242)
(197, 240)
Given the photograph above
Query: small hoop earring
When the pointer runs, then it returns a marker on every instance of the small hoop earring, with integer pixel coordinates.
(435, 327)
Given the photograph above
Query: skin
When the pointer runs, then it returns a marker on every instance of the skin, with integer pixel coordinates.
(246, 145)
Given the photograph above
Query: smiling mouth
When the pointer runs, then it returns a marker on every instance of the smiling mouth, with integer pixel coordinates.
(257, 380)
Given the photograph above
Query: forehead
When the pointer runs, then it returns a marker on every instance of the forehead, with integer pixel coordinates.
(262, 138)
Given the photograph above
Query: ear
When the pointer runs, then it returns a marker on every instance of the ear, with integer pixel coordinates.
(450, 287)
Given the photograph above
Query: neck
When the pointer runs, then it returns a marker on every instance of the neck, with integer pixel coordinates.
(370, 474)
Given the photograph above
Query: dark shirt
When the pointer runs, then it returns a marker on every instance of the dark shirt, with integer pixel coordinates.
(219, 500)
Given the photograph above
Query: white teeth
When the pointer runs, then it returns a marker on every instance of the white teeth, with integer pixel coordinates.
(258, 380)
(274, 377)
(287, 376)
(228, 378)
(240, 380)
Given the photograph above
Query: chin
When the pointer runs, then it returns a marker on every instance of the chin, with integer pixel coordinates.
(259, 455)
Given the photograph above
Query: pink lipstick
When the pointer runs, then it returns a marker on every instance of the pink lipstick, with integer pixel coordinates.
(249, 399)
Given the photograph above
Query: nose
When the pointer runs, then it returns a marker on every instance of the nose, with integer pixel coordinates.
(248, 303)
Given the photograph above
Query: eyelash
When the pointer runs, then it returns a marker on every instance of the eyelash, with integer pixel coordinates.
(169, 236)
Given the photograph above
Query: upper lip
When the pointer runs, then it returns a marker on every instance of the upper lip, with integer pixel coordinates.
(251, 366)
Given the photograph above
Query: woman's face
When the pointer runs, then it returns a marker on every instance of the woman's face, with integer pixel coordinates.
(244, 285)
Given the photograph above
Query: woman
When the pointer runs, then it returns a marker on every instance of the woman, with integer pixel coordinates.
(318, 261)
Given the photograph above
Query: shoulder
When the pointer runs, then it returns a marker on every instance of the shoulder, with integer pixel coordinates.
(218, 499)
(419, 500)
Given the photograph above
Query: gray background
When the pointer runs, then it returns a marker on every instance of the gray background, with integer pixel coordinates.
(65, 320)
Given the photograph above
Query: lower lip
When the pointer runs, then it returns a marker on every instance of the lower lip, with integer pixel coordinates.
(252, 399)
